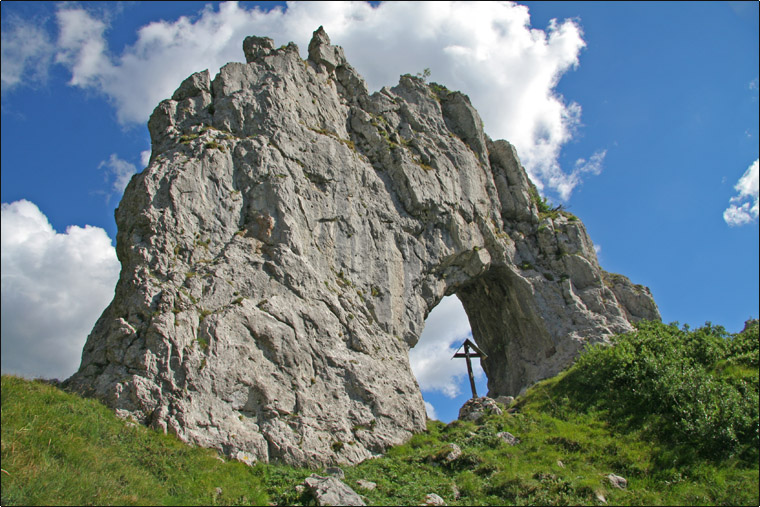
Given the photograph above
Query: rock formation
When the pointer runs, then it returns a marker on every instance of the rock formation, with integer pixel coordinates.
(291, 233)
(475, 408)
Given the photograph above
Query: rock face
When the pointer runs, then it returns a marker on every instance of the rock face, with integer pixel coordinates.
(291, 233)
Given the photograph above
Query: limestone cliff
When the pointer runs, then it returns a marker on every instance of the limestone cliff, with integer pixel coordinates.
(291, 233)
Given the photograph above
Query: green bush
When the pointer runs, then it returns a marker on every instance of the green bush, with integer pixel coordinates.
(439, 90)
(696, 389)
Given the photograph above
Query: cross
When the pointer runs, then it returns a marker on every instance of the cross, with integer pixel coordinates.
(467, 355)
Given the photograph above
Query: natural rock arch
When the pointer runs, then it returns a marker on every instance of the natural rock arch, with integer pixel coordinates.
(291, 233)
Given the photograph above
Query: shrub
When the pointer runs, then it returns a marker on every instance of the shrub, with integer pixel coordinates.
(681, 382)
(439, 90)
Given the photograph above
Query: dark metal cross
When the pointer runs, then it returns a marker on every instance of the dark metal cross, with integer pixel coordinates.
(467, 355)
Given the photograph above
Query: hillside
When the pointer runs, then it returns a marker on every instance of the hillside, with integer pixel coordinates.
(673, 411)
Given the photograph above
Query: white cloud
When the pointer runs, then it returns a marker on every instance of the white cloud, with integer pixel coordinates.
(164, 54)
(565, 183)
(593, 165)
(488, 50)
(120, 170)
(145, 158)
(26, 52)
(54, 287)
(82, 47)
(445, 329)
(430, 410)
(743, 207)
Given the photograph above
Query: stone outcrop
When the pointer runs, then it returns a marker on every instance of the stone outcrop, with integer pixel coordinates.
(331, 491)
(291, 233)
(433, 499)
(475, 408)
(617, 481)
(508, 438)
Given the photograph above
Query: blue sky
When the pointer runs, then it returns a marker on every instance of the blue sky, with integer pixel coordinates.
(642, 118)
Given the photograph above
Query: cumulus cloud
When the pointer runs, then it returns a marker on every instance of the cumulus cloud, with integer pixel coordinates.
(145, 158)
(593, 165)
(446, 328)
(82, 47)
(120, 171)
(743, 207)
(26, 52)
(54, 287)
(488, 50)
(430, 410)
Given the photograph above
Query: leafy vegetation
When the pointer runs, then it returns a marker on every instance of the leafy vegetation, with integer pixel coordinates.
(214, 145)
(674, 411)
(187, 138)
(424, 75)
(439, 91)
(547, 210)
(697, 391)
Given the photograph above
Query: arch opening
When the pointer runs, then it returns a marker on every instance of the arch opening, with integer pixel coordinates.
(444, 381)
(501, 313)
(508, 324)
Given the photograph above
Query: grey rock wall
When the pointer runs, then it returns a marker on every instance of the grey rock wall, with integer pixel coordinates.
(291, 233)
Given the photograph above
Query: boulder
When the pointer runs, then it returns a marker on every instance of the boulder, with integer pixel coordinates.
(475, 408)
(368, 485)
(510, 439)
(449, 454)
(505, 400)
(331, 491)
(617, 481)
(433, 499)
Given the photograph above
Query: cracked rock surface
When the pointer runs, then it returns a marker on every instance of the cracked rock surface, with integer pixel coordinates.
(291, 233)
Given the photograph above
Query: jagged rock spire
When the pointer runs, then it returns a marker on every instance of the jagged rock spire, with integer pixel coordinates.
(321, 52)
(257, 47)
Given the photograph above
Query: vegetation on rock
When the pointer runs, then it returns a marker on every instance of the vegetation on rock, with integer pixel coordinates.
(548, 210)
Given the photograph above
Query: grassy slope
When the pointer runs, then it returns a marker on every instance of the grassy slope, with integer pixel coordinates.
(673, 412)
(58, 448)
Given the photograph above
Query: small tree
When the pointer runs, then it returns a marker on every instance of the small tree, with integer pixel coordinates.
(424, 74)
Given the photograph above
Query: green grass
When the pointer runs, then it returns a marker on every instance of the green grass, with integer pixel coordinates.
(214, 145)
(659, 408)
(60, 449)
